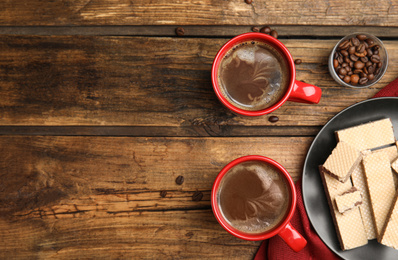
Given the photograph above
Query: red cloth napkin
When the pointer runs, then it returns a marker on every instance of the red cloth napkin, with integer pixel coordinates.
(276, 249)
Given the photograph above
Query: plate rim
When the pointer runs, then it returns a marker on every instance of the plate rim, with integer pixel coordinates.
(311, 147)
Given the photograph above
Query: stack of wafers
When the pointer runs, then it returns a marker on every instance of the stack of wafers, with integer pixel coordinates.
(360, 178)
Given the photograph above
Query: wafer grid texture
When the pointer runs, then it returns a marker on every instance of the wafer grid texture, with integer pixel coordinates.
(389, 235)
(368, 136)
(358, 179)
(380, 186)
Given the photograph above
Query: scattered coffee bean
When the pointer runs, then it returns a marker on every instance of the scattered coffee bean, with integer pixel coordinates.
(357, 60)
(163, 193)
(274, 34)
(297, 61)
(248, 1)
(266, 30)
(180, 31)
(255, 29)
(273, 119)
(180, 180)
(197, 196)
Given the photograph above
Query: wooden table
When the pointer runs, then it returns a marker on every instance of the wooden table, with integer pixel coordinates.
(103, 106)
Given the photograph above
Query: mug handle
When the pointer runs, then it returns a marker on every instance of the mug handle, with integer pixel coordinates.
(292, 238)
(305, 93)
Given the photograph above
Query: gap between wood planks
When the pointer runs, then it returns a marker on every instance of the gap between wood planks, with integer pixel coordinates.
(284, 31)
(163, 131)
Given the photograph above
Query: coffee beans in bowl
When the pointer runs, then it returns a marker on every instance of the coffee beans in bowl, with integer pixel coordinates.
(358, 60)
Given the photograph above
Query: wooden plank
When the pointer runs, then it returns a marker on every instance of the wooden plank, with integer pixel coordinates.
(204, 12)
(284, 31)
(124, 81)
(69, 197)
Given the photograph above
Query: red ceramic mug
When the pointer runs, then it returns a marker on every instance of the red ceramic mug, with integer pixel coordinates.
(297, 91)
(283, 228)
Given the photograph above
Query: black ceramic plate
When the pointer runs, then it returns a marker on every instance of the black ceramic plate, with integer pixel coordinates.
(314, 196)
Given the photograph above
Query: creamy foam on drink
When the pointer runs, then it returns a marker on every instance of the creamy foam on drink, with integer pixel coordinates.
(253, 197)
(253, 75)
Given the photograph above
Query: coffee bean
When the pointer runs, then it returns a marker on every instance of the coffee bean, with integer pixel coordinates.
(340, 59)
(180, 31)
(359, 64)
(369, 52)
(363, 81)
(347, 60)
(344, 45)
(351, 50)
(365, 70)
(369, 63)
(344, 52)
(362, 37)
(376, 47)
(297, 61)
(350, 73)
(341, 76)
(248, 1)
(266, 30)
(354, 79)
(357, 71)
(360, 48)
(361, 54)
(180, 180)
(347, 79)
(370, 42)
(335, 63)
(377, 71)
(362, 75)
(163, 193)
(375, 58)
(342, 71)
(354, 41)
(371, 76)
(197, 196)
(376, 52)
(255, 29)
(364, 59)
(273, 119)
(354, 57)
(274, 34)
(380, 64)
(371, 69)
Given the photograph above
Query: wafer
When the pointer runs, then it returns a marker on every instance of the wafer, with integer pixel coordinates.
(392, 153)
(389, 235)
(358, 180)
(349, 227)
(380, 186)
(394, 165)
(368, 136)
(348, 200)
(342, 162)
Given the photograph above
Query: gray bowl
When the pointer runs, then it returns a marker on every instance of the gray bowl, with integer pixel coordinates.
(382, 53)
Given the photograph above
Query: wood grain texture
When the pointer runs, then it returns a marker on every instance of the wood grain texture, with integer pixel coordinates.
(204, 12)
(144, 82)
(77, 197)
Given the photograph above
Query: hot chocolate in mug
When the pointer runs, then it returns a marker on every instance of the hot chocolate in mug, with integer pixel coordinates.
(254, 198)
(254, 74)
